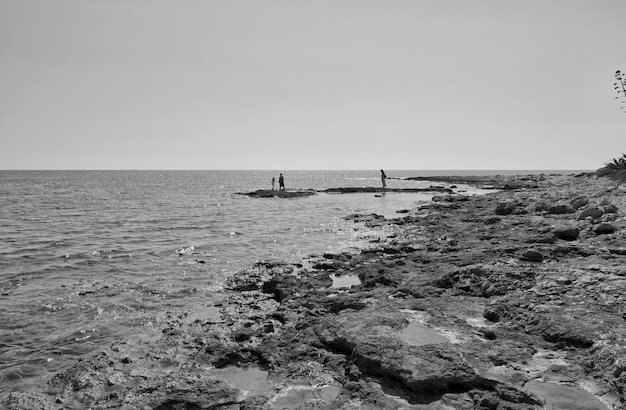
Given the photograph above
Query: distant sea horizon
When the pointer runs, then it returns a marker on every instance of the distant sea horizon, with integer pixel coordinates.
(430, 171)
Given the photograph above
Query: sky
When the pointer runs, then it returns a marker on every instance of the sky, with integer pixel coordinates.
(318, 84)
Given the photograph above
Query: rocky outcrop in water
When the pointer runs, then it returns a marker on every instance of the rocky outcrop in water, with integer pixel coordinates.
(354, 190)
(466, 304)
(506, 182)
(268, 193)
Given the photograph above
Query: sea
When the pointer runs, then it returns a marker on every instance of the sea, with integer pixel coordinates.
(88, 258)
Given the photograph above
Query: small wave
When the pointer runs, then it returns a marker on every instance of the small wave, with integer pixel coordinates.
(9, 286)
(186, 251)
(105, 253)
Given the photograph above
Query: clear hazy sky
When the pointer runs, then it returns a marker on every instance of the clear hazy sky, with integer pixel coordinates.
(319, 84)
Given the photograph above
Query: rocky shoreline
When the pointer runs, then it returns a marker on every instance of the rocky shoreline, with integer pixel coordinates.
(511, 300)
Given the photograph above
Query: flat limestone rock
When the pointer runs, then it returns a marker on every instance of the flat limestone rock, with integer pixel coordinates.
(356, 190)
(268, 193)
(506, 182)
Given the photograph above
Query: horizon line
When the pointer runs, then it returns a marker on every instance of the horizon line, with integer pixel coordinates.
(307, 169)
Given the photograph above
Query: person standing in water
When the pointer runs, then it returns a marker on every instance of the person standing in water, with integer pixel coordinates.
(383, 178)
(281, 182)
(273, 182)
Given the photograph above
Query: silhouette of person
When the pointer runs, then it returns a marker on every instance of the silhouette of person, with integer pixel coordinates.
(273, 182)
(383, 178)
(281, 182)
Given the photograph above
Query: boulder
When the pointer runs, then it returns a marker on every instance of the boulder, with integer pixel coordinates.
(532, 255)
(566, 232)
(491, 314)
(505, 208)
(593, 212)
(603, 228)
(561, 209)
(609, 209)
(492, 220)
(579, 202)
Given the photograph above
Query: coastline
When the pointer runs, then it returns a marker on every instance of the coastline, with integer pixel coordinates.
(473, 302)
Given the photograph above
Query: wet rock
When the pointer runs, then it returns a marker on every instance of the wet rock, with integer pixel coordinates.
(560, 209)
(426, 373)
(491, 314)
(566, 232)
(352, 190)
(505, 208)
(519, 184)
(571, 250)
(549, 239)
(514, 395)
(243, 334)
(189, 393)
(353, 373)
(338, 256)
(610, 209)
(488, 334)
(532, 255)
(368, 219)
(593, 212)
(541, 206)
(326, 266)
(483, 281)
(269, 193)
(492, 220)
(254, 278)
(450, 198)
(603, 228)
(575, 337)
(27, 401)
(392, 250)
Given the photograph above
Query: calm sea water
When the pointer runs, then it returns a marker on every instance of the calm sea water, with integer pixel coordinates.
(90, 257)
